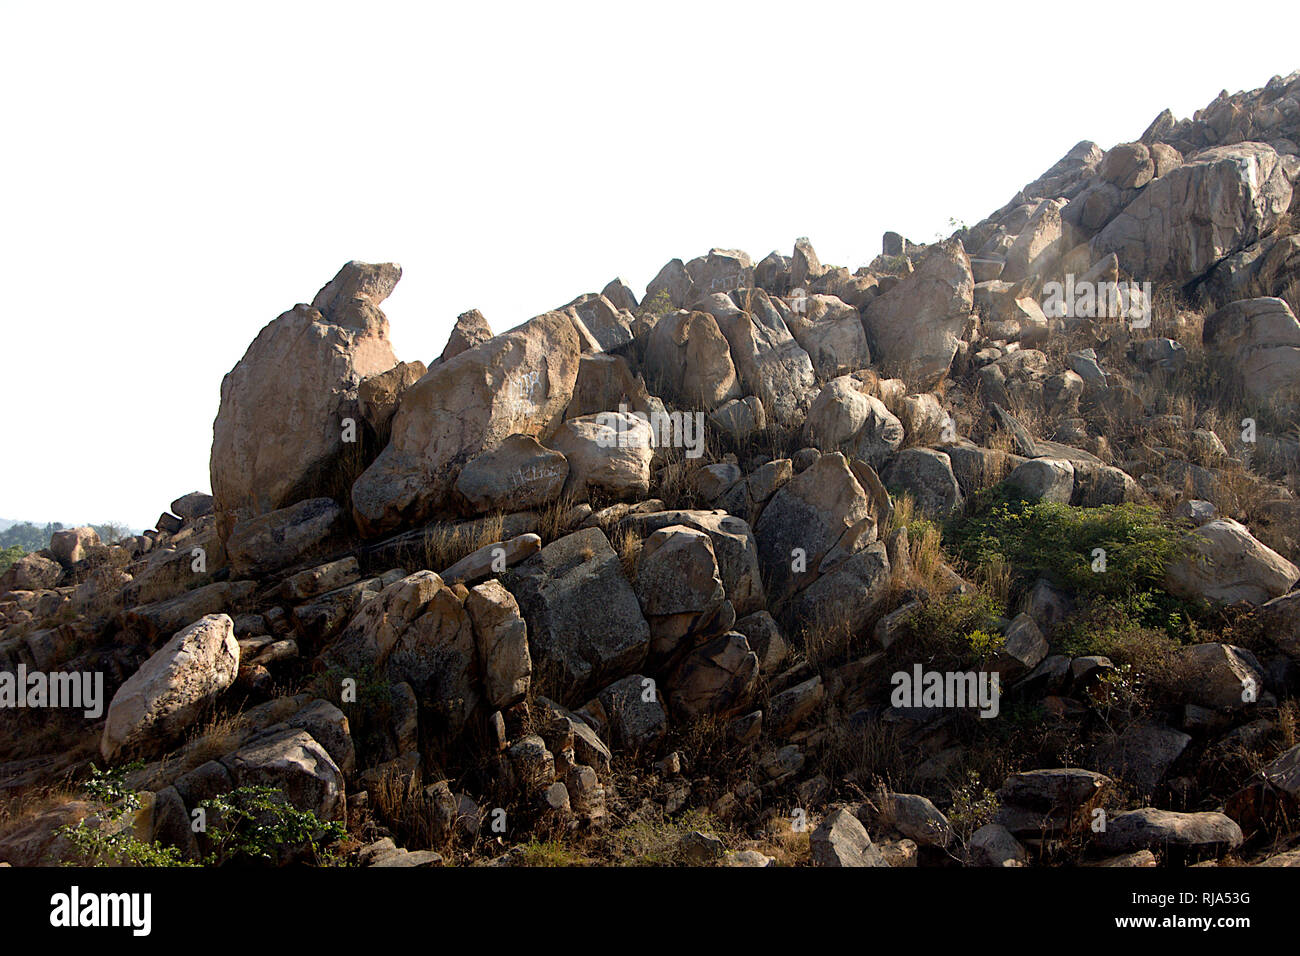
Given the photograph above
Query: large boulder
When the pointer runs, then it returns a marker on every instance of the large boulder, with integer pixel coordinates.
(821, 508)
(927, 475)
(471, 329)
(1261, 338)
(850, 593)
(31, 572)
(1150, 828)
(842, 840)
(517, 475)
(770, 363)
(282, 537)
(913, 329)
(602, 320)
(293, 762)
(838, 413)
(608, 453)
(734, 547)
(585, 627)
(1226, 564)
(279, 432)
(831, 333)
(719, 678)
(516, 383)
(374, 629)
(379, 395)
(171, 688)
(722, 270)
(687, 358)
(73, 545)
(1220, 675)
(1185, 222)
(502, 638)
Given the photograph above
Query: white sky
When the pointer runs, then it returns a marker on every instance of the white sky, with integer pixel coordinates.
(177, 175)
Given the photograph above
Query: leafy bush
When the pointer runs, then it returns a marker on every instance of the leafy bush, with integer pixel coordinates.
(9, 555)
(106, 837)
(257, 823)
(1060, 543)
(953, 632)
(658, 305)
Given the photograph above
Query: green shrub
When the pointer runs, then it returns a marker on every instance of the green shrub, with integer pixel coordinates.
(8, 556)
(1060, 543)
(953, 632)
(105, 838)
(258, 824)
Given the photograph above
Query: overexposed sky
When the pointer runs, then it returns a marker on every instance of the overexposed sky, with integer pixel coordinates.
(174, 176)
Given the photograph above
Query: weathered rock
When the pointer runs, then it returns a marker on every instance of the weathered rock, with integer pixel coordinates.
(995, 845)
(169, 616)
(277, 539)
(913, 328)
(280, 428)
(193, 506)
(1024, 646)
(517, 475)
(31, 572)
(1143, 754)
(927, 475)
(292, 762)
(1063, 788)
(739, 418)
(379, 395)
(1150, 828)
(1226, 564)
(1043, 480)
(1261, 338)
(606, 382)
(602, 320)
(376, 626)
(502, 638)
(831, 333)
(719, 677)
(635, 713)
(492, 559)
(841, 840)
(516, 383)
(848, 595)
(791, 707)
(620, 294)
(319, 580)
(917, 818)
(470, 330)
(687, 353)
(73, 545)
(734, 547)
(1185, 222)
(812, 513)
(1220, 675)
(768, 360)
(608, 453)
(171, 688)
(679, 586)
(584, 621)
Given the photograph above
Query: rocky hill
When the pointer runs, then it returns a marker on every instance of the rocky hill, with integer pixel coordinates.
(978, 554)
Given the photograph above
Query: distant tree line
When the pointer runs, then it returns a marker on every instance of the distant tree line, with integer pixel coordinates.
(25, 537)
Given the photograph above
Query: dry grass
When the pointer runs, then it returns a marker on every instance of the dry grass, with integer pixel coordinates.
(398, 802)
(625, 540)
(446, 544)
